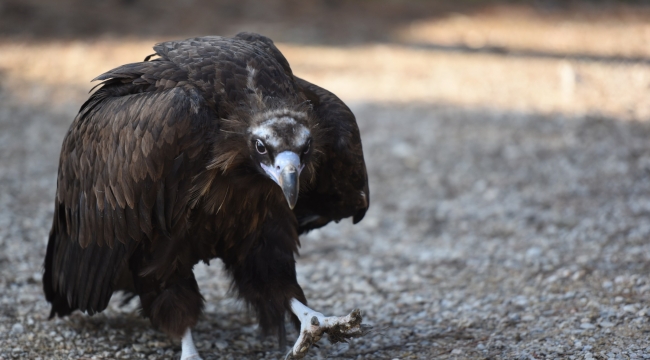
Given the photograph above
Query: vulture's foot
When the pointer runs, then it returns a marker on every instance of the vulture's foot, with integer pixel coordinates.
(188, 350)
(191, 357)
(314, 324)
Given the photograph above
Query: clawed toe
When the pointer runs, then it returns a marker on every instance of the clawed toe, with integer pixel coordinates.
(192, 357)
(314, 325)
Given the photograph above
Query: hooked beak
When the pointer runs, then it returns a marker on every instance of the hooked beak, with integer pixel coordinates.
(286, 173)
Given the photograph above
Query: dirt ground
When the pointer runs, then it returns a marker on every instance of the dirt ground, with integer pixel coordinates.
(509, 161)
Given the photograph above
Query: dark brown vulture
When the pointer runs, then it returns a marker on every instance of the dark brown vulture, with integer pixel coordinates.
(212, 149)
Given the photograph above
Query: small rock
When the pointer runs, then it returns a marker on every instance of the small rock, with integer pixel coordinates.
(533, 253)
(587, 326)
(241, 344)
(629, 308)
(157, 344)
(221, 345)
(528, 317)
(402, 149)
(17, 328)
(514, 318)
(606, 324)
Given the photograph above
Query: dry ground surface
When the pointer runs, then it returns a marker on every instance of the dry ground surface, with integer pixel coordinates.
(508, 149)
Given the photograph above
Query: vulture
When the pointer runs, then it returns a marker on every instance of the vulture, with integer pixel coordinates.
(209, 148)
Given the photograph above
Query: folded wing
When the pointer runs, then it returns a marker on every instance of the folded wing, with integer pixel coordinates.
(124, 176)
(340, 186)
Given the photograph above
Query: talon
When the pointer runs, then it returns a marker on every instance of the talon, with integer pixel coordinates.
(315, 324)
(289, 355)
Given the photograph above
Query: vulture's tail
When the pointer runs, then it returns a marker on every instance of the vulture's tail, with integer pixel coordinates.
(59, 303)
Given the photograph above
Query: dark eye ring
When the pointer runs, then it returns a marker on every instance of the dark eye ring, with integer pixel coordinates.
(307, 147)
(259, 146)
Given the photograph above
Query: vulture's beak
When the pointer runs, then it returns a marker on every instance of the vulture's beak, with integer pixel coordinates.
(286, 173)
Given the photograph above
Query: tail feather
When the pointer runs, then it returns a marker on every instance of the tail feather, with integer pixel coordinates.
(78, 278)
(59, 302)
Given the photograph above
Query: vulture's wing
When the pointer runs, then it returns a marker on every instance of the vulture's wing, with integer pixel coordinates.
(126, 168)
(340, 185)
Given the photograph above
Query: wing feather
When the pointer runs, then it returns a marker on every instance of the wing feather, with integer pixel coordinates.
(133, 148)
(339, 189)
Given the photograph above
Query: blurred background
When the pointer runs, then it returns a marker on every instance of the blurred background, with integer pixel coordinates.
(508, 149)
(546, 56)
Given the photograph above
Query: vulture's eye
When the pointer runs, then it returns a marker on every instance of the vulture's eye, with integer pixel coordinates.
(307, 147)
(259, 146)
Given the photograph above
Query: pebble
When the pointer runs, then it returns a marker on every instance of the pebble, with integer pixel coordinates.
(17, 329)
(629, 308)
(528, 317)
(221, 345)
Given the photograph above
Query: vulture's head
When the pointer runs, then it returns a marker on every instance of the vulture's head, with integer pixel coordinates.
(280, 146)
(276, 144)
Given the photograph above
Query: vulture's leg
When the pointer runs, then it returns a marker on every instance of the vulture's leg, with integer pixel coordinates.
(188, 350)
(266, 279)
(314, 324)
(172, 302)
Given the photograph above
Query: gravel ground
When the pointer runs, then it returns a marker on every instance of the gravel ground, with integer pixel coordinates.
(490, 235)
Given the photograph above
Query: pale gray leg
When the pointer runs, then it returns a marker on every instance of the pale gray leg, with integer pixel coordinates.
(188, 350)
